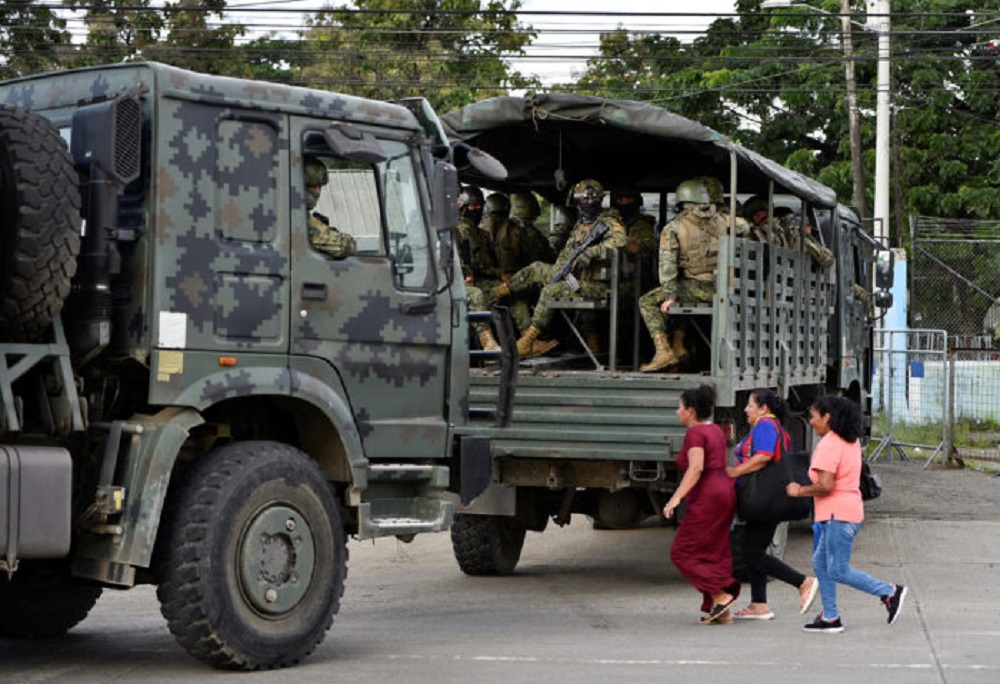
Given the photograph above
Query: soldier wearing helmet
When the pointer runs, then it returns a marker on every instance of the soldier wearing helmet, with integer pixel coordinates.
(323, 236)
(519, 243)
(477, 258)
(689, 257)
(571, 276)
(475, 246)
(639, 226)
(755, 212)
(563, 220)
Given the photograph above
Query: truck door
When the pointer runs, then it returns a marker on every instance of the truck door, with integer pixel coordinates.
(374, 315)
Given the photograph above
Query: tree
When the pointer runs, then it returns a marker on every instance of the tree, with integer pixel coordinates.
(775, 82)
(32, 38)
(117, 31)
(191, 43)
(449, 51)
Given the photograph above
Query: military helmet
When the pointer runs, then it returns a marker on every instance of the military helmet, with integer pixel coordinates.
(498, 203)
(692, 191)
(523, 205)
(714, 187)
(316, 173)
(753, 205)
(588, 190)
(626, 194)
(470, 195)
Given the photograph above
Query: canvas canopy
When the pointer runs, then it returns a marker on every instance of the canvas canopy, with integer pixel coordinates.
(550, 141)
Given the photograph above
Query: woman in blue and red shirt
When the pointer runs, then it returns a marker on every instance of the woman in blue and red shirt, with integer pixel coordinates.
(767, 441)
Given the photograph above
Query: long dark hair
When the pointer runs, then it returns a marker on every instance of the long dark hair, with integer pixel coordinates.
(845, 416)
(701, 399)
(765, 396)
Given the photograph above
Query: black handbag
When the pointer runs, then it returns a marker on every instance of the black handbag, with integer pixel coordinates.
(871, 483)
(761, 495)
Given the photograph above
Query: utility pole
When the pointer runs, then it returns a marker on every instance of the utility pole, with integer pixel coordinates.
(878, 20)
(857, 162)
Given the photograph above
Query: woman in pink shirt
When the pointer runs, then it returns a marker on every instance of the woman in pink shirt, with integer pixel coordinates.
(835, 470)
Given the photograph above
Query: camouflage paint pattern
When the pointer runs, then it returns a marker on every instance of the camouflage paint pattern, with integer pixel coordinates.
(214, 225)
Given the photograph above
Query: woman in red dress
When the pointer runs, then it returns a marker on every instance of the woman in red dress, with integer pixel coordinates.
(701, 546)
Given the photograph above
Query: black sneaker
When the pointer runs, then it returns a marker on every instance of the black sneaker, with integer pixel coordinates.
(821, 626)
(894, 603)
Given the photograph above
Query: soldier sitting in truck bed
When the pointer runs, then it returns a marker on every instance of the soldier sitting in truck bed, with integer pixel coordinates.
(571, 275)
(322, 235)
(689, 256)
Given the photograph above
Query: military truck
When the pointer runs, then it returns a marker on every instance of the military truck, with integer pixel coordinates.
(601, 439)
(191, 394)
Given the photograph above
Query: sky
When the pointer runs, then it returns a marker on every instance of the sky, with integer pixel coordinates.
(565, 70)
(559, 35)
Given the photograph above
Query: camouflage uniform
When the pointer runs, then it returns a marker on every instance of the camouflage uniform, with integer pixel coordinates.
(686, 275)
(323, 236)
(565, 219)
(539, 274)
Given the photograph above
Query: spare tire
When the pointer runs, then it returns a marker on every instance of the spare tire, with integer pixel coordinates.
(40, 236)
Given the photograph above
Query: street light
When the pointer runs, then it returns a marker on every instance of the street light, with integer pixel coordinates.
(878, 22)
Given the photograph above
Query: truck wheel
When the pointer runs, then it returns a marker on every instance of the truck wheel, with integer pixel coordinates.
(252, 568)
(40, 238)
(618, 510)
(43, 600)
(487, 544)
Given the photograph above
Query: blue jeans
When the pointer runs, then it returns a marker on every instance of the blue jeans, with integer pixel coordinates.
(832, 563)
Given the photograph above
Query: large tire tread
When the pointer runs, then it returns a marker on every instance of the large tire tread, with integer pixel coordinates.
(486, 544)
(192, 522)
(42, 600)
(40, 202)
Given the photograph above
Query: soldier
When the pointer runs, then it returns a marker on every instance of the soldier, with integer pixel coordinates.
(689, 256)
(564, 218)
(322, 235)
(571, 274)
(755, 212)
(639, 227)
(475, 247)
(524, 211)
(479, 266)
(821, 255)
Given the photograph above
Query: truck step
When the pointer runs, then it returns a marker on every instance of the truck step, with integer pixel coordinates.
(401, 517)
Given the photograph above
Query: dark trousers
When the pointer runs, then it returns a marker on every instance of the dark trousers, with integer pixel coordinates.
(757, 537)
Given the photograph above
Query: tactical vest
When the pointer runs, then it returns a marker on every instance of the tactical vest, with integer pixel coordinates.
(698, 242)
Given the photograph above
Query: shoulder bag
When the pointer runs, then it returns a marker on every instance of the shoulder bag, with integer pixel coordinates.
(871, 483)
(761, 496)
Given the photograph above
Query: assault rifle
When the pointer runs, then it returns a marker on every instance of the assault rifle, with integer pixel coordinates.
(596, 233)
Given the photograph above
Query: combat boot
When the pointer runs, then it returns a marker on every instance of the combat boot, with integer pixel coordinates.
(664, 357)
(500, 292)
(680, 351)
(529, 346)
(487, 341)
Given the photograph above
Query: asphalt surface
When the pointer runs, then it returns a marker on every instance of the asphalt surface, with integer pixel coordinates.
(599, 606)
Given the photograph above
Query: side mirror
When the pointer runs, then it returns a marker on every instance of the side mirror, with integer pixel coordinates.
(353, 144)
(885, 262)
(883, 299)
(445, 208)
(483, 163)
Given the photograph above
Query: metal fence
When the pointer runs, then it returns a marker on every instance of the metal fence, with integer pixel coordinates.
(954, 289)
(911, 387)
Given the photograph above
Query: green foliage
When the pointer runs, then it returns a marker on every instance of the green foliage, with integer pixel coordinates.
(32, 38)
(775, 81)
(451, 59)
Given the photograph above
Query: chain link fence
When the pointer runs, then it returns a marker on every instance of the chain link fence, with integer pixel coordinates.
(955, 287)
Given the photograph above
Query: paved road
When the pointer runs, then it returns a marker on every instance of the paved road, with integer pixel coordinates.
(595, 606)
